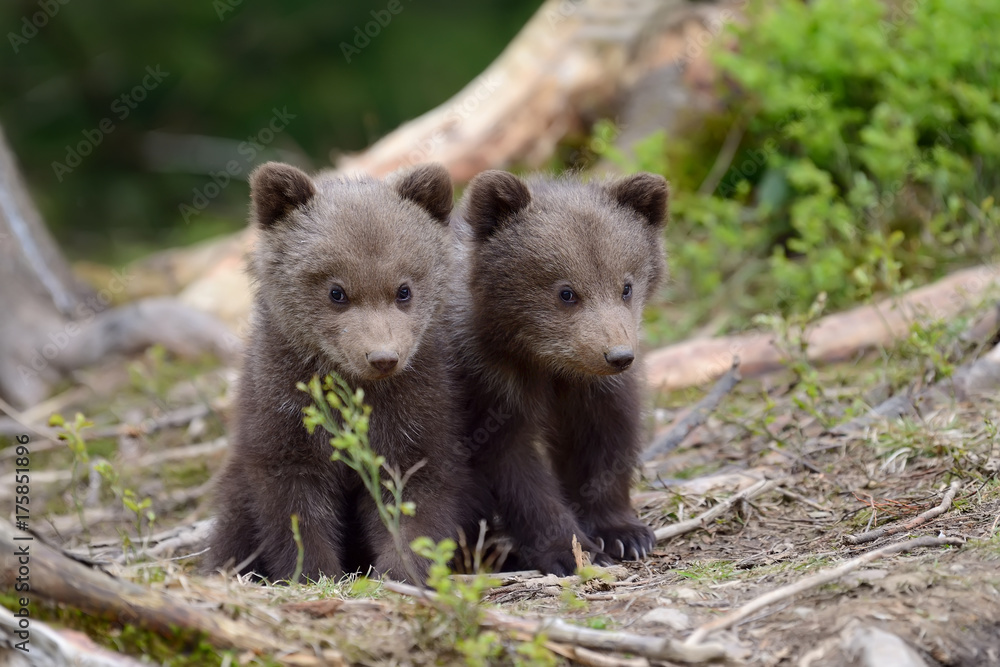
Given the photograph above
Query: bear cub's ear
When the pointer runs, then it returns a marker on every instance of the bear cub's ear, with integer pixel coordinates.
(429, 187)
(494, 197)
(644, 193)
(276, 189)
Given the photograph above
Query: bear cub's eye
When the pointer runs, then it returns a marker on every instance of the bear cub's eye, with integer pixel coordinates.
(627, 291)
(567, 295)
(403, 293)
(337, 295)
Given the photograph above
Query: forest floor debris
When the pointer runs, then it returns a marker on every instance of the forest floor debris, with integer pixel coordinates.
(782, 539)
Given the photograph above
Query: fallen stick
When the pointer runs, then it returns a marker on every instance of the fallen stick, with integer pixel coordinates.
(58, 578)
(700, 521)
(180, 453)
(833, 338)
(672, 438)
(814, 581)
(558, 630)
(193, 539)
(919, 520)
(150, 425)
(583, 656)
(18, 417)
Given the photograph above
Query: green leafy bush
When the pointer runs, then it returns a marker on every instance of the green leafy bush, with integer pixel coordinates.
(869, 146)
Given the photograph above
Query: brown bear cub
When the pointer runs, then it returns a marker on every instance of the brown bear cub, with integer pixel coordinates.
(350, 275)
(552, 280)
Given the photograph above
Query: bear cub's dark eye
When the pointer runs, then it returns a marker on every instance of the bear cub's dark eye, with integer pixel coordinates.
(568, 295)
(337, 295)
(627, 292)
(403, 293)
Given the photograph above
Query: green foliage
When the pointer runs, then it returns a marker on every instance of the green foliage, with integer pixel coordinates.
(933, 342)
(792, 340)
(300, 556)
(460, 599)
(535, 654)
(867, 156)
(141, 509)
(72, 435)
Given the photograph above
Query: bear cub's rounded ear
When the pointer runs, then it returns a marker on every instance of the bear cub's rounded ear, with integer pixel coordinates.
(429, 187)
(644, 193)
(495, 196)
(276, 189)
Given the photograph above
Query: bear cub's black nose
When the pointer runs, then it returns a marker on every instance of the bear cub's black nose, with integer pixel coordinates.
(383, 361)
(619, 357)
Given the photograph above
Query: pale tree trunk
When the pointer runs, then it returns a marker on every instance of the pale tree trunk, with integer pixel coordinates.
(571, 63)
(51, 324)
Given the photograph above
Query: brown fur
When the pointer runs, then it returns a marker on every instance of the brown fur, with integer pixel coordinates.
(539, 370)
(365, 238)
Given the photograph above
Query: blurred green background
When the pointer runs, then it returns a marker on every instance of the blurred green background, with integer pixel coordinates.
(227, 64)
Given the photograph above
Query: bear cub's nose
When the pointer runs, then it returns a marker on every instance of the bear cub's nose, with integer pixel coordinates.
(383, 360)
(619, 357)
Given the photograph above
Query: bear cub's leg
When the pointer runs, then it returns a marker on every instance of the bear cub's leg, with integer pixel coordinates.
(595, 450)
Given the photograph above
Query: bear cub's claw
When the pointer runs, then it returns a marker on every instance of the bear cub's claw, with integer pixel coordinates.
(628, 541)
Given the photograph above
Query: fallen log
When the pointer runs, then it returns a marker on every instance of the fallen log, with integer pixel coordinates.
(53, 325)
(833, 338)
(58, 578)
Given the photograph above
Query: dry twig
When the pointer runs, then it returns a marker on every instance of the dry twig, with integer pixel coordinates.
(814, 581)
(558, 630)
(919, 520)
(700, 521)
(672, 438)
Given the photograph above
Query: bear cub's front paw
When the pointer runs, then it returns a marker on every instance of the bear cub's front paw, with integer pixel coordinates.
(629, 540)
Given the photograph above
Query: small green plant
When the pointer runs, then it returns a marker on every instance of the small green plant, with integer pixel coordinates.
(342, 413)
(459, 601)
(534, 653)
(571, 602)
(141, 509)
(72, 435)
(792, 339)
(300, 557)
(930, 341)
(480, 650)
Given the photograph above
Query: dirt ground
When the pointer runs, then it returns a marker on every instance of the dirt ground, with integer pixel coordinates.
(836, 474)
